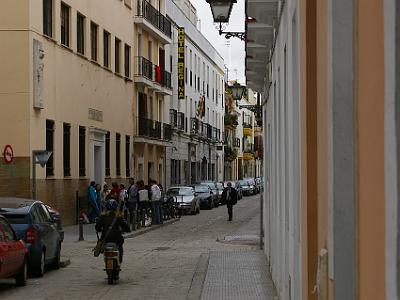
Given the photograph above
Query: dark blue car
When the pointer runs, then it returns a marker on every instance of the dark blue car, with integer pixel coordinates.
(33, 223)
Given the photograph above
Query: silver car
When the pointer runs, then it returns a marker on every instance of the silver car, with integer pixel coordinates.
(185, 198)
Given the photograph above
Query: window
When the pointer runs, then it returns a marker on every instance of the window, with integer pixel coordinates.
(48, 17)
(93, 40)
(82, 151)
(67, 149)
(150, 50)
(127, 61)
(118, 154)
(117, 55)
(80, 33)
(8, 232)
(108, 154)
(64, 25)
(170, 63)
(106, 49)
(127, 155)
(50, 147)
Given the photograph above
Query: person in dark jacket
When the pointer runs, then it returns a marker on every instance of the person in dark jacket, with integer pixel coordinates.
(120, 226)
(229, 196)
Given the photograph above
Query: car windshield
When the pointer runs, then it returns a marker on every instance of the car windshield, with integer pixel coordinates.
(211, 185)
(220, 186)
(243, 182)
(17, 218)
(201, 189)
(180, 191)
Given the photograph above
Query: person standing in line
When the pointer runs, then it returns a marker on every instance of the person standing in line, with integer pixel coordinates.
(143, 195)
(229, 195)
(114, 193)
(132, 202)
(155, 201)
(92, 199)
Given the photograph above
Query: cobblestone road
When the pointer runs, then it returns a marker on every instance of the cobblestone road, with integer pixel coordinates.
(157, 265)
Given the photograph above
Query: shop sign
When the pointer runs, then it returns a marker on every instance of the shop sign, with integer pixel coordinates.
(181, 63)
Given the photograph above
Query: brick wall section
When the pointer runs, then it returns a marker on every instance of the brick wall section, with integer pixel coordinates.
(15, 178)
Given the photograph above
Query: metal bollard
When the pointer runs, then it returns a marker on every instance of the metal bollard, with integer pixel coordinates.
(81, 229)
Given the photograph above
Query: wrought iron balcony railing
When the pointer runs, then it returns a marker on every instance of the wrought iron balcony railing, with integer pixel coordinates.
(144, 68)
(149, 128)
(158, 20)
(167, 132)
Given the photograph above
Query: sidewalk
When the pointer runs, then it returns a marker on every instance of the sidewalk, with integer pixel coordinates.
(71, 233)
(239, 274)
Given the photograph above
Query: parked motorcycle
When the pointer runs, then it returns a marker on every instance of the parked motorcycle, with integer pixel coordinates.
(112, 264)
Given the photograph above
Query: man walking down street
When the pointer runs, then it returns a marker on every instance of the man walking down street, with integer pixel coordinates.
(132, 203)
(155, 202)
(229, 195)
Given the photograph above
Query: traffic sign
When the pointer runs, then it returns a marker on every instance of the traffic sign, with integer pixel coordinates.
(8, 154)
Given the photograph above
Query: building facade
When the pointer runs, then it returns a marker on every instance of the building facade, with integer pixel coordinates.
(66, 80)
(196, 152)
(152, 84)
(330, 84)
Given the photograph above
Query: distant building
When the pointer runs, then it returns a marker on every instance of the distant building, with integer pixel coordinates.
(196, 152)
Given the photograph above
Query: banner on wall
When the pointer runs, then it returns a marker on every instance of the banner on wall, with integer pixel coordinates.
(181, 63)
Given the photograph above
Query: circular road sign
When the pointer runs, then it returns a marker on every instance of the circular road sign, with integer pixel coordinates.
(8, 154)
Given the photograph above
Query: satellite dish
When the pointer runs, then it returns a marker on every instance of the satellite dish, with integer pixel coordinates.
(42, 156)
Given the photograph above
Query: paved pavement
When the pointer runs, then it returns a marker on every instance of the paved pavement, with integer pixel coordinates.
(172, 262)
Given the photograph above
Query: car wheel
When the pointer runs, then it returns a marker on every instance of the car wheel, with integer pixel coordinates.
(38, 271)
(57, 260)
(21, 277)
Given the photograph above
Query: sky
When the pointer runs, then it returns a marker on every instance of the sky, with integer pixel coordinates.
(232, 50)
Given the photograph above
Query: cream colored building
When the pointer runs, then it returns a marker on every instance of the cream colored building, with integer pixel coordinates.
(152, 82)
(66, 86)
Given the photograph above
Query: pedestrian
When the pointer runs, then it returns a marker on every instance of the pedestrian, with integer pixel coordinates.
(92, 199)
(114, 193)
(99, 197)
(143, 195)
(229, 196)
(104, 195)
(162, 200)
(132, 202)
(155, 201)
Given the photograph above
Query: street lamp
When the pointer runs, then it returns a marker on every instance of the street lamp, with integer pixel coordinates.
(38, 157)
(221, 11)
(238, 91)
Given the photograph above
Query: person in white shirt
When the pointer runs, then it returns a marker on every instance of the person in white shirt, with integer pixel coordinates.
(155, 202)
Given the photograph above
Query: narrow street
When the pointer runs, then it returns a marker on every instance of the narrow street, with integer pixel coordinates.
(160, 264)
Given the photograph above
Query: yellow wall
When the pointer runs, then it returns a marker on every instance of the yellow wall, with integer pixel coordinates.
(370, 78)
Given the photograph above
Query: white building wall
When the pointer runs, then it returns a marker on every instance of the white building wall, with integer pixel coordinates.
(282, 159)
(200, 57)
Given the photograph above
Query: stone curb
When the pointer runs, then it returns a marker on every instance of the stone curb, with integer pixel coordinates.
(151, 228)
(199, 276)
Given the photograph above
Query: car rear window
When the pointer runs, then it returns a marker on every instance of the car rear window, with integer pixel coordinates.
(17, 219)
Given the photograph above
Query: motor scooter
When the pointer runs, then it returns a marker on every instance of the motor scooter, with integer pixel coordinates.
(112, 263)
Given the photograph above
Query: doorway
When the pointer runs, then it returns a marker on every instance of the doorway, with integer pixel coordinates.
(97, 162)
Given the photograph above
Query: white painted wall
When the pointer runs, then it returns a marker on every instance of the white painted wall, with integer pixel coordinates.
(282, 159)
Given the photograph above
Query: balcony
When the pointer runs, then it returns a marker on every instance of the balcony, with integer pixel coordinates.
(181, 121)
(162, 80)
(144, 72)
(167, 132)
(230, 154)
(173, 115)
(231, 121)
(247, 132)
(194, 126)
(149, 128)
(151, 20)
(153, 130)
(248, 152)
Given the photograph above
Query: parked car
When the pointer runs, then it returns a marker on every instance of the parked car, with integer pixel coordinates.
(247, 188)
(253, 183)
(56, 216)
(220, 187)
(13, 254)
(186, 198)
(214, 190)
(32, 221)
(205, 195)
